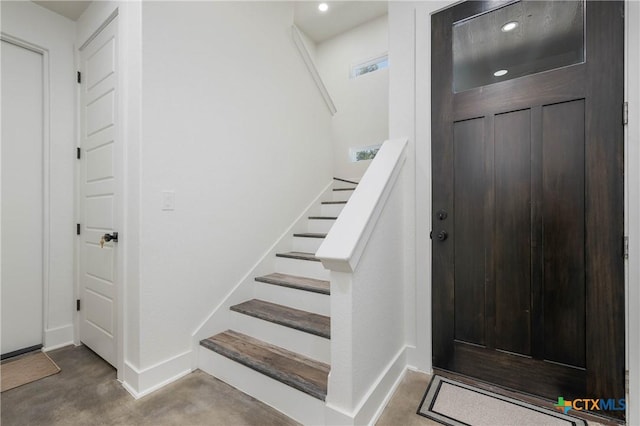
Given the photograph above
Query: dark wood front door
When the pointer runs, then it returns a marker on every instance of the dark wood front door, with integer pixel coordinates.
(528, 278)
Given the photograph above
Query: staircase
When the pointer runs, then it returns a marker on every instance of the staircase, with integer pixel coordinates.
(278, 347)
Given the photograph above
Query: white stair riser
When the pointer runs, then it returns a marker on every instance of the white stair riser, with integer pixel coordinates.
(309, 345)
(302, 268)
(306, 244)
(317, 303)
(341, 195)
(319, 225)
(331, 209)
(340, 184)
(293, 403)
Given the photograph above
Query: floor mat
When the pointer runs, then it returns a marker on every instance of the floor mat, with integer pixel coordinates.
(26, 369)
(453, 403)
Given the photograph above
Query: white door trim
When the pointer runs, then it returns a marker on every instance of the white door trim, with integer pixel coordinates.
(102, 26)
(632, 208)
(46, 207)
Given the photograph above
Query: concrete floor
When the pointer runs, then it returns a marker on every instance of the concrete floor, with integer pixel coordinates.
(86, 392)
(401, 409)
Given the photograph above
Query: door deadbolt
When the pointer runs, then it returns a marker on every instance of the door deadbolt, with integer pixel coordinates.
(442, 214)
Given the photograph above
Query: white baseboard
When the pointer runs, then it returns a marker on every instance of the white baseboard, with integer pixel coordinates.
(374, 402)
(418, 361)
(140, 383)
(55, 338)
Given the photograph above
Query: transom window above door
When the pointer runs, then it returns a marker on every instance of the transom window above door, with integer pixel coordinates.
(519, 39)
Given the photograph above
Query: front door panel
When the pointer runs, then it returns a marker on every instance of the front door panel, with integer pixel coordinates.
(528, 285)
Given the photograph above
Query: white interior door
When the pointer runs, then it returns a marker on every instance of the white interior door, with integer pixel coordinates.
(22, 198)
(98, 194)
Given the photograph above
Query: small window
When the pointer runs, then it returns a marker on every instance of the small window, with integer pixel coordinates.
(517, 40)
(363, 153)
(372, 65)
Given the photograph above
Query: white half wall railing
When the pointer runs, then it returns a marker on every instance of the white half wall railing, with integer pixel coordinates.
(365, 252)
(313, 70)
(343, 246)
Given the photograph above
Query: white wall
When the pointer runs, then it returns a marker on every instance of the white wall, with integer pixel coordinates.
(378, 310)
(364, 252)
(363, 102)
(409, 98)
(38, 26)
(224, 98)
(367, 307)
(232, 122)
(309, 44)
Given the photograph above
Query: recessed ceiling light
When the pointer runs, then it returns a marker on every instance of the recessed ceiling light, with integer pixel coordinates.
(323, 7)
(509, 26)
(500, 73)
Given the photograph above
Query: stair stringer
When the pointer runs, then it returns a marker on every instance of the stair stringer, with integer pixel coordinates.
(220, 318)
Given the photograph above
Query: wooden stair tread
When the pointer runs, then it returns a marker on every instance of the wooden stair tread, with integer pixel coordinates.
(299, 372)
(310, 235)
(334, 202)
(345, 180)
(299, 255)
(299, 283)
(323, 217)
(308, 322)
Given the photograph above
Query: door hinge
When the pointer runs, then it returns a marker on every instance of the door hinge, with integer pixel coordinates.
(77, 229)
(625, 247)
(78, 153)
(625, 113)
(77, 304)
(79, 77)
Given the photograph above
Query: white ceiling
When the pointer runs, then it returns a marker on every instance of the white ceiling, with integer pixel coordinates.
(341, 16)
(70, 9)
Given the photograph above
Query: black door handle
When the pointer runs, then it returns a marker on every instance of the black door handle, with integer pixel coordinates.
(108, 237)
(111, 237)
(442, 235)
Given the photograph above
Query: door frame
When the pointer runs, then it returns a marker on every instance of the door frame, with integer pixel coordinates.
(119, 215)
(631, 177)
(599, 314)
(46, 173)
(632, 205)
(411, 49)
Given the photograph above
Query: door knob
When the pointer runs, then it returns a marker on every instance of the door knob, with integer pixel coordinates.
(442, 235)
(442, 214)
(108, 237)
